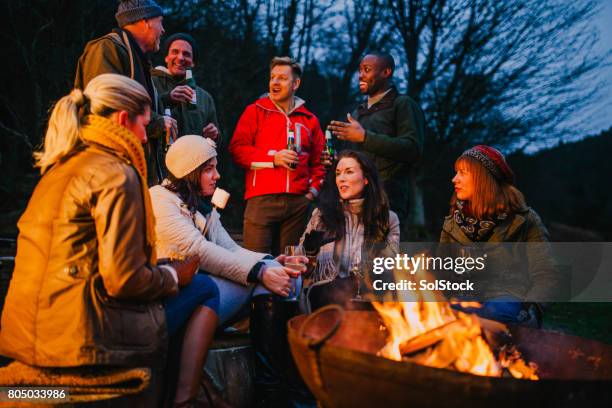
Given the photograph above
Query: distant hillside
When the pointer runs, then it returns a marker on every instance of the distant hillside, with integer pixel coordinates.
(571, 183)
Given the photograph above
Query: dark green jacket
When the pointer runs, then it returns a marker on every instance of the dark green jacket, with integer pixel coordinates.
(118, 53)
(394, 133)
(191, 119)
(395, 128)
(525, 270)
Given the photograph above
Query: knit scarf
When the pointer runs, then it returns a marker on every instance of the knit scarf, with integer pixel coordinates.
(337, 259)
(124, 144)
(476, 230)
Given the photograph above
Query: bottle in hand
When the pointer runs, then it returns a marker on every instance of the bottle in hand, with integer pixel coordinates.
(291, 145)
(192, 84)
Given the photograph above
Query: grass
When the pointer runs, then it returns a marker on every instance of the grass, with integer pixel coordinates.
(590, 320)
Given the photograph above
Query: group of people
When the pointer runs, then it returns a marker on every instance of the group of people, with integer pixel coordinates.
(120, 248)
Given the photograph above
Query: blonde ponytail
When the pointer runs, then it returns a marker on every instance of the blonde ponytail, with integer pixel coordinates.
(105, 94)
(63, 131)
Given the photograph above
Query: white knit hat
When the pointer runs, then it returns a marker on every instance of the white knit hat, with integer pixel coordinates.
(188, 153)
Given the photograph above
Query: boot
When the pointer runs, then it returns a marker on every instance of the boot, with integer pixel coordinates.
(277, 382)
(198, 336)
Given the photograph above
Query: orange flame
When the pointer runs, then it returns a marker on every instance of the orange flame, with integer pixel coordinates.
(428, 331)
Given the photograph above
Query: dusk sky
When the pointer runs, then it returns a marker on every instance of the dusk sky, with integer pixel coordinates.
(602, 113)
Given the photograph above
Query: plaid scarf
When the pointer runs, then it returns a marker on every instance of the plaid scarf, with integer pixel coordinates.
(476, 230)
(125, 145)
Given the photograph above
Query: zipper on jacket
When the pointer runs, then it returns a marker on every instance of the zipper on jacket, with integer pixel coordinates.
(286, 133)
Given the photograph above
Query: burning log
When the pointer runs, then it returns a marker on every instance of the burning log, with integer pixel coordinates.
(428, 338)
(512, 360)
(432, 334)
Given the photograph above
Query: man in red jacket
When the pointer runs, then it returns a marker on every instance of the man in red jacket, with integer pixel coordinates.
(280, 182)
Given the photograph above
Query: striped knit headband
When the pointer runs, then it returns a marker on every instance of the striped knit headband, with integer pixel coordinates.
(492, 160)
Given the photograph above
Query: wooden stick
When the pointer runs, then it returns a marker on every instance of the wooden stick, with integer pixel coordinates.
(429, 338)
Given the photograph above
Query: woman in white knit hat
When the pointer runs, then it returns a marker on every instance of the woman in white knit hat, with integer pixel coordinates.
(186, 224)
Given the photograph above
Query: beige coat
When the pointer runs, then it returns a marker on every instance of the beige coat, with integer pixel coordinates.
(82, 291)
(179, 233)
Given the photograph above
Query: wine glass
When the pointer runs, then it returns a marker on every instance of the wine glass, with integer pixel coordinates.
(356, 272)
(292, 262)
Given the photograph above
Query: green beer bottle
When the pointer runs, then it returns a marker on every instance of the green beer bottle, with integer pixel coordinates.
(192, 84)
(329, 147)
(291, 145)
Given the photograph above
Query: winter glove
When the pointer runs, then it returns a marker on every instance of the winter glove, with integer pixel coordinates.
(314, 240)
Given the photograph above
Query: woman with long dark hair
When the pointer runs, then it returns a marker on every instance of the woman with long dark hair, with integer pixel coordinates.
(486, 207)
(352, 214)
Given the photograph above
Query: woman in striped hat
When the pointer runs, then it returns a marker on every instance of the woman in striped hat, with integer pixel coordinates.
(486, 207)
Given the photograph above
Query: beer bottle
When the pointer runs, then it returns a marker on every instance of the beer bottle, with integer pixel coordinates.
(192, 84)
(329, 147)
(291, 145)
(169, 133)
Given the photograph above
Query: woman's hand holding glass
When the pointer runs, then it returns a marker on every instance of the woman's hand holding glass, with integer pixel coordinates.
(277, 279)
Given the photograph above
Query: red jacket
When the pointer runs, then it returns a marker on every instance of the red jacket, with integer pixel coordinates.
(261, 132)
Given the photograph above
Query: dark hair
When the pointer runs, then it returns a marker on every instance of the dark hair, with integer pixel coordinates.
(187, 187)
(375, 211)
(386, 60)
(184, 37)
(296, 68)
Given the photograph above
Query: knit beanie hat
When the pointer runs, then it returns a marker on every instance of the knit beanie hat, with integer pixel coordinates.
(180, 36)
(492, 160)
(188, 153)
(130, 11)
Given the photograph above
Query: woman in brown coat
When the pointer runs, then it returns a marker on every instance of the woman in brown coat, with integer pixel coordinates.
(86, 289)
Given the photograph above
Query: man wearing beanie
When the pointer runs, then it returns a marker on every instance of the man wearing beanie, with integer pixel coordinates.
(199, 118)
(123, 51)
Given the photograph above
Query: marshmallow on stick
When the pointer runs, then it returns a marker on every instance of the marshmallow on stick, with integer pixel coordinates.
(220, 198)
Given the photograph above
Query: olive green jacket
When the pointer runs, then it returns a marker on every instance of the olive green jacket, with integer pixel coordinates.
(394, 133)
(191, 119)
(394, 137)
(525, 271)
(118, 53)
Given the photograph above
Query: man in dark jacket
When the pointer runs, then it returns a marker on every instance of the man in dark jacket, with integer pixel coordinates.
(123, 51)
(199, 118)
(389, 127)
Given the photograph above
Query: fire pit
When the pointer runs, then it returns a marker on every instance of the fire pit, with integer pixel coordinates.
(336, 353)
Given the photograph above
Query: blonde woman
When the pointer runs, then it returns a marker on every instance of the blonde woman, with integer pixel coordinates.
(86, 289)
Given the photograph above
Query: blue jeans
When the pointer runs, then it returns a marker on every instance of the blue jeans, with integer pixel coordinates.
(505, 309)
(202, 291)
(235, 299)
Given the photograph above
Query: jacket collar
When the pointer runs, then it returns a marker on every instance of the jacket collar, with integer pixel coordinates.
(501, 233)
(133, 45)
(384, 103)
(161, 70)
(266, 103)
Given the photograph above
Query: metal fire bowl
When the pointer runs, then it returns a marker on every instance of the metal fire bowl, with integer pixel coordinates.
(335, 352)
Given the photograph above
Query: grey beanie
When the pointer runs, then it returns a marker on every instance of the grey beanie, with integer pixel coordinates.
(130, 11)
